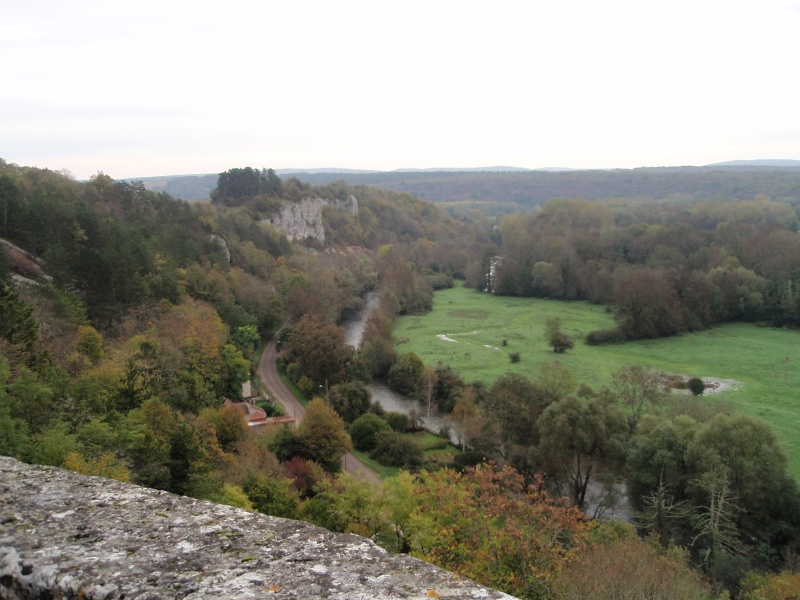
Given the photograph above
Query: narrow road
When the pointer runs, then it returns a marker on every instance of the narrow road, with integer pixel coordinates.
(268, 371)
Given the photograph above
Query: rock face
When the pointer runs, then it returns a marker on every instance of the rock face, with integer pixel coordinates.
(303, 220)
(64, 535)
(223, 244)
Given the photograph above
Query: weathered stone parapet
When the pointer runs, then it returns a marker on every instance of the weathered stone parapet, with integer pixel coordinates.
(64, 535)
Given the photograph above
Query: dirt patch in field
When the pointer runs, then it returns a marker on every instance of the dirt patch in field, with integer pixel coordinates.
(678, 384)
(469, 314)
(714, 385)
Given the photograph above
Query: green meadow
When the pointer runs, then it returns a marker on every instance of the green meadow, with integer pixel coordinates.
(763, 361)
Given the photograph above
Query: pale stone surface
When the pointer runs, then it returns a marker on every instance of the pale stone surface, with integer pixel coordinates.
(303, 220)
(223, 244)
(64, 535)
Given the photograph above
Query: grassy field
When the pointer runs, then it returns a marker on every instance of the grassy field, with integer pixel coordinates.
(764, 361)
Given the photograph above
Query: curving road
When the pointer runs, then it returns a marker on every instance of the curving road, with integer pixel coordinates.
(268, 372)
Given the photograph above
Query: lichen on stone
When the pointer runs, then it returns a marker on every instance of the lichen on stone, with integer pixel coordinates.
(65, 535)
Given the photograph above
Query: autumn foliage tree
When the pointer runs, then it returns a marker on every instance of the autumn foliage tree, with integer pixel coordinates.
(485, 524)
(319, 350)
(647, 306)
(628, 568)
(322, 436)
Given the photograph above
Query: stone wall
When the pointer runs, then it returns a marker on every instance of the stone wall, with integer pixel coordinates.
(64, 535)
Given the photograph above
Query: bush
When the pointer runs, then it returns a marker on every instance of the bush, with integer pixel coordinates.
(696, 386)
(561, 342)
(440, 281)
(470, 458)
(600, 337)
(293, 372)
(398, 450)
(366, 430)
(404, 376)
(398, 421)
(306, 386)
(273, 409)
(515, 357)
(350, 400)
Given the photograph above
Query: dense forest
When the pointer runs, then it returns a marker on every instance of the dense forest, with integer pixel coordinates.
(127, 316)
(666, 267)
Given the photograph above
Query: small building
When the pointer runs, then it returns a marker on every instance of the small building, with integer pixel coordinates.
(254, 415)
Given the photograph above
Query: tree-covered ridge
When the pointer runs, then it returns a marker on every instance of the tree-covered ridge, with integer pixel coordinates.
(518, 191)
(524, 190)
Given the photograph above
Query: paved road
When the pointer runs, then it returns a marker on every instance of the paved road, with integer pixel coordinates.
(268, 372)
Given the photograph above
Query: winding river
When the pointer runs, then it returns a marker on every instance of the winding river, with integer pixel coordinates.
(390, 400)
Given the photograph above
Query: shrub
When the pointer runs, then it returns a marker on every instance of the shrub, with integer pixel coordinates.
(600, 337)
(696, 386)
(366, 430)
(515, 357)
(561, 342)
(273, 409)
(306, 386)
(350, 400)
(470, 458)
(398, 450)
(398, 421)
(440, 281)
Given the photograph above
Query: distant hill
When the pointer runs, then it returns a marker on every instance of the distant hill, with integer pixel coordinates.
(325, 170)
(758, 163)
(185, 187)
(464, 170)
(520, 189)
(526, 189)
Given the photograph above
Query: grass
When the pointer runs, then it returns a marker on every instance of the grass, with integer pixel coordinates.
(383, 471)
(292, 387)
(764, 360)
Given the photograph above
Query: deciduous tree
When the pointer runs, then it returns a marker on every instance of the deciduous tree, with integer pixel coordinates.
(484, 524)
(366, 430)
(323, 436)
(638, 388)
(580, 438)
(466, 418)
(320, 351)
(350, 400)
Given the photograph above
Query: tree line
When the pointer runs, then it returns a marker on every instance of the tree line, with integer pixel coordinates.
(664, 268)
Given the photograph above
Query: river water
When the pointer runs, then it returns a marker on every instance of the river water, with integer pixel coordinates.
(390, 400)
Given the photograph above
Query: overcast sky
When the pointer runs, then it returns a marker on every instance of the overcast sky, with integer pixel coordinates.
(141, 88)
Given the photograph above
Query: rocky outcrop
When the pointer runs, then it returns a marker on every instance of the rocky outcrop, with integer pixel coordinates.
(303, 220)
(23, 265)
(222, 244)
(64, 535)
